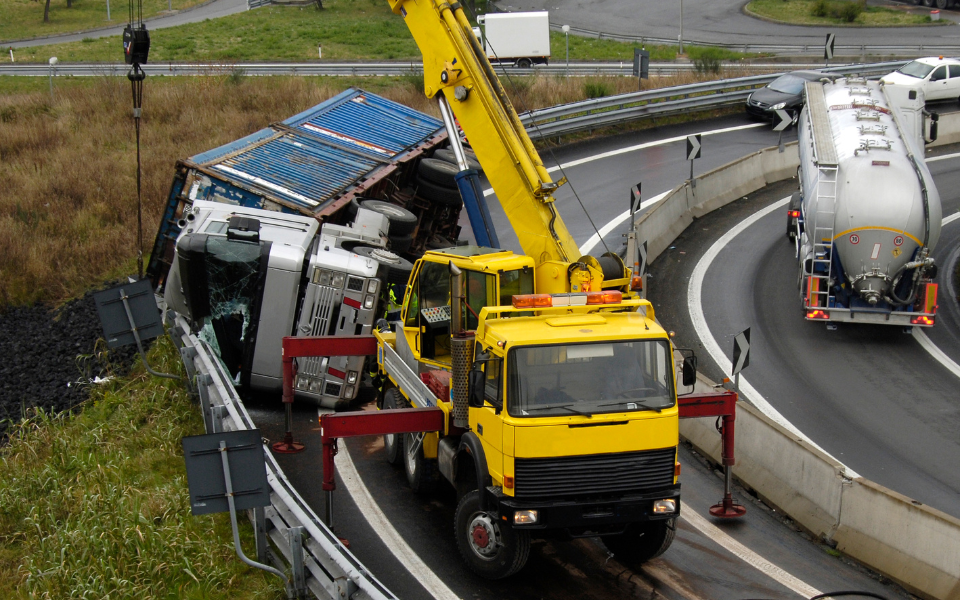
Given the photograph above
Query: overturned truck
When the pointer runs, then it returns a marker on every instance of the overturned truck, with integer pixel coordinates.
(306, 227)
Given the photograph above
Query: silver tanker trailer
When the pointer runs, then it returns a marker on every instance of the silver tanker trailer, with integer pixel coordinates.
(868, 213)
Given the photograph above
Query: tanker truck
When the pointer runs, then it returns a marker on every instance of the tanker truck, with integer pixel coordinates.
(868, 214)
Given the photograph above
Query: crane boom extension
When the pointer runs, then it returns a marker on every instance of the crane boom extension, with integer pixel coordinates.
(456, 66)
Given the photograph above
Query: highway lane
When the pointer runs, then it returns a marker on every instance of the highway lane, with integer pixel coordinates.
(871, 396)
(696, 567)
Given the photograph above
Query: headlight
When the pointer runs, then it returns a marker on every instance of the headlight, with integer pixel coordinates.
(348, 393)
(525, 517)
(372, 286)
(315, 386)
(369, 301)
(665, 507)
(352, 377)
(337, 280)
(778, 106)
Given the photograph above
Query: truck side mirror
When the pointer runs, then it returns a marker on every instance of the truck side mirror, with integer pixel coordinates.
(475, 385)
(689, 370)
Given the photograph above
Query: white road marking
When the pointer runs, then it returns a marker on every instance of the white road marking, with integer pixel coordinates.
(602, 155)
(746, 554)
(695, 307)
(381, 525)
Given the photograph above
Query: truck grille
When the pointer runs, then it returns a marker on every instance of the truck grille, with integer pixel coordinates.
(596, 475)
(321, 315)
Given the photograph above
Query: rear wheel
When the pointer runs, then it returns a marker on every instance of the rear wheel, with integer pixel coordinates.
(641, 541)
(421, 472)
(402, 221)
(942, 4)
(491, 549)
(392, 442)
(443, 195)
(928, 3)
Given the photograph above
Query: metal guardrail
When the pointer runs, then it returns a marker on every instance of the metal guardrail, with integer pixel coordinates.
(811, 49)
(622, 108)
(288, 532)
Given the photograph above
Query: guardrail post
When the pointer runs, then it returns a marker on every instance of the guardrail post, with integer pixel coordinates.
(299, 580)
(260, 533)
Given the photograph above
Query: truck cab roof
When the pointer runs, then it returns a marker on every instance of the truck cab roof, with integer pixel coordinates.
(487, 259)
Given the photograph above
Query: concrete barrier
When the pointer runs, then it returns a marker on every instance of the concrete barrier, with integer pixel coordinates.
(915, 545)
(665, 220)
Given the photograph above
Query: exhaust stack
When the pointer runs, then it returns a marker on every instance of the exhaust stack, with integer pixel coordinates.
(461, 350)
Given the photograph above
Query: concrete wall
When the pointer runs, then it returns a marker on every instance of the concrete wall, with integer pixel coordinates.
(913, 544)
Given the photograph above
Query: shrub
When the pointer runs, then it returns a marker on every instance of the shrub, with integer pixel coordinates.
(707, 60)
(597, 89)
(820, 8)
(849, 11)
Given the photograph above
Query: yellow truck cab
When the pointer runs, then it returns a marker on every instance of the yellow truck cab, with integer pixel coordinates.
(565, 419)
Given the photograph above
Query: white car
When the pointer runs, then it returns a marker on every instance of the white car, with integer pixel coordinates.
(938, 76)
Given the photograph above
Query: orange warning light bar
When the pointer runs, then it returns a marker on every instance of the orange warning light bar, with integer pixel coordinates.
(636, 283)
(532, 301)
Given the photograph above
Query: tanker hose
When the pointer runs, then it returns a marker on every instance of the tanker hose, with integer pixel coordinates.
(914, 288)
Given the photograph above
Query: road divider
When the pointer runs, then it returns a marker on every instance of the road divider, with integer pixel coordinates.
(915, 545)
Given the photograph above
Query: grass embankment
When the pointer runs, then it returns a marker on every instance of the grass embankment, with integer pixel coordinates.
(23, 19)
(95, 505)
(837, 12)
(68, 211)
(346, 29)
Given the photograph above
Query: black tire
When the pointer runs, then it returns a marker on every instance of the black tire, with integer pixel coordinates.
(422, 473)
(641, 542)
(402, 221)
(393, 443)
(928, 3)
(943, 4)
(503, 561)
(438, 171)
(446, 154)
(440, 194)
(524, 63)
(393, 268)
(401, 244)
(351, 209)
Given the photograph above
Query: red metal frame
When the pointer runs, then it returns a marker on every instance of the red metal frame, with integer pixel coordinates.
(724, 405)
(344, 425)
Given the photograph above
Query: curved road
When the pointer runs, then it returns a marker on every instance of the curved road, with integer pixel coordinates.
(722, 21)
(407, 540)
(871, 396)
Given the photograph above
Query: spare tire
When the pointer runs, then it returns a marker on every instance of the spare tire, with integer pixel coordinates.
(402, 221)
(440, 194)
(438, 171)
(447, 154)
(393, 268)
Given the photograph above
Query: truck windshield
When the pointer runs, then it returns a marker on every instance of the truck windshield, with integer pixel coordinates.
(589, 378)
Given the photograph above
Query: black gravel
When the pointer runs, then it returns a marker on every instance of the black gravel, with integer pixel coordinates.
(49, 357)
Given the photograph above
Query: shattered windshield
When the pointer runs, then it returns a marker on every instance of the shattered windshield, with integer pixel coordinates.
(591, 378)
(233, 283)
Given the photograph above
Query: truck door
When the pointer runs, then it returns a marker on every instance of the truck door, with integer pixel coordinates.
(487, 421)
(426, 313)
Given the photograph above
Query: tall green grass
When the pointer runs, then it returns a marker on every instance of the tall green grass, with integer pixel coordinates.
(95, 504)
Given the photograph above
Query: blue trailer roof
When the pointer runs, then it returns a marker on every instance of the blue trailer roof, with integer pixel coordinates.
(311, 158)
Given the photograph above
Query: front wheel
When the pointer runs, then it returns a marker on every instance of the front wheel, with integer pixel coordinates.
(524, 63)
(943, 4)
(491, 549)
(641, 541)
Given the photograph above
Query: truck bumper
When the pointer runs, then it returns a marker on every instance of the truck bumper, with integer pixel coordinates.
(876, 317)
(580, 518)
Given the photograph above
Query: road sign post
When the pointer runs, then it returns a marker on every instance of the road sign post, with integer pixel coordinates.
(828, 48)
(694, 147)
(741, 356)
(641, 65)
(785, 120)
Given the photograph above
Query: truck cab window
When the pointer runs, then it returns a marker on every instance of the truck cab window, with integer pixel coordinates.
(493, 369)
(514, 283)
(480, 291)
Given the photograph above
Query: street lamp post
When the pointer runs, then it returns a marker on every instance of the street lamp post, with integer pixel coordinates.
(108, 10)
(566, 36)
(681, 27)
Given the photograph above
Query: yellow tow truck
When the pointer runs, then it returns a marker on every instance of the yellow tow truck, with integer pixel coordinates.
(538, 385)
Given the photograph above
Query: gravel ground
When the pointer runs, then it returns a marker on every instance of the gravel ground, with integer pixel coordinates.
(49, 358)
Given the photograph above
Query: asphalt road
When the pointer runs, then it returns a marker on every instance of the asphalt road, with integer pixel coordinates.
(869, 395)
(720, 21)
(212, 10)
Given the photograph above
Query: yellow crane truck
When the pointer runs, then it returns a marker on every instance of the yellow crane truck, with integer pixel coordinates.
(547, 389)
